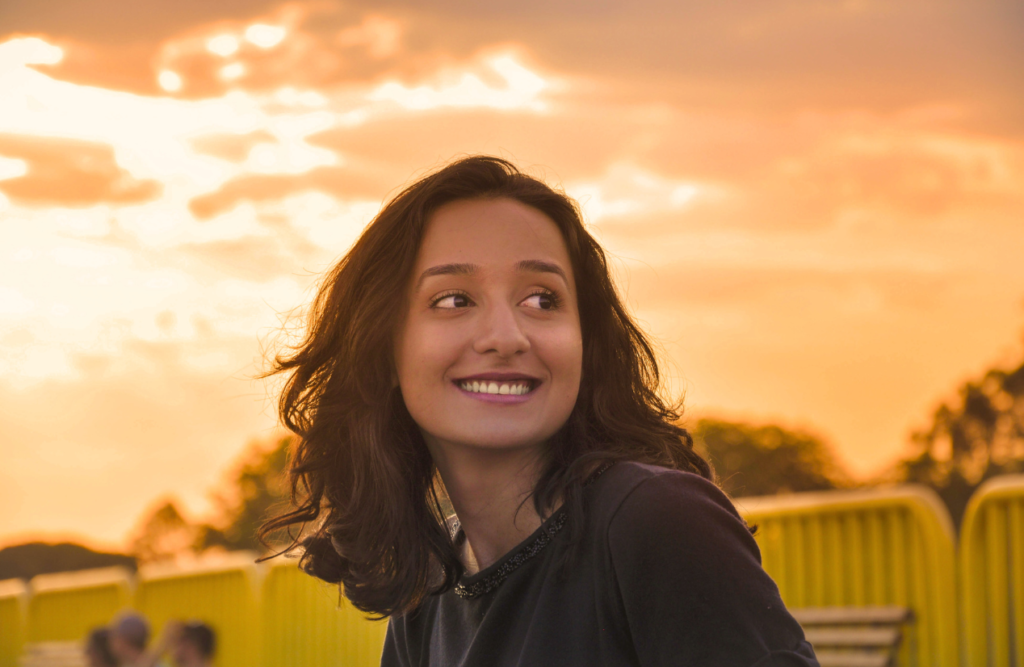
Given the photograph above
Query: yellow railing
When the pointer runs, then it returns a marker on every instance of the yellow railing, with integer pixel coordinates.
(307, 623)
(222, 595)
(65, 606)
(13, 596)
(873, 547)
(992, 574)
(889, 546)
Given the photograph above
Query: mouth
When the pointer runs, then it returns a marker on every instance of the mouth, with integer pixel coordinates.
(497, 385)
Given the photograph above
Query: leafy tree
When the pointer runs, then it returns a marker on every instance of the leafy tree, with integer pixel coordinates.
(752, 460)
(162, 534)
(976, 437)
(258, 483)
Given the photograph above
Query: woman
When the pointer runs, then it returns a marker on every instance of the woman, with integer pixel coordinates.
(471, 349)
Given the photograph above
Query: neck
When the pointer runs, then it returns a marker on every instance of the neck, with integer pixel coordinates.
(490, 492)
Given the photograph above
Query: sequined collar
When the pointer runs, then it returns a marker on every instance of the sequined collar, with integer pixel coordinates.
(541, 538)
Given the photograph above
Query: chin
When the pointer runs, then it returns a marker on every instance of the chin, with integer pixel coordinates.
(502, 440)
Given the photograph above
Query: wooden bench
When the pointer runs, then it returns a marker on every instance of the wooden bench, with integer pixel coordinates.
(53, 654)
(854, 636)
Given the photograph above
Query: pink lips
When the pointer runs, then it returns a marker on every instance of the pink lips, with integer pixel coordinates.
(500, 377)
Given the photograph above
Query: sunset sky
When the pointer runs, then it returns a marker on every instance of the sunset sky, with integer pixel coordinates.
(816, 207)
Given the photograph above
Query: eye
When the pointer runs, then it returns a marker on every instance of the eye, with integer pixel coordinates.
(450, 301)
(543, 300)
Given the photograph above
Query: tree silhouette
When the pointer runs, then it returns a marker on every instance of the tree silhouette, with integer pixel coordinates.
(752, 460)
(162, 534)
(25, 561)
(257, 484)
(978, 436)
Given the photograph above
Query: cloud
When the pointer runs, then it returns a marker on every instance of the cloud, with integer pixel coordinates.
(302, 46)
(231, 147)
(256, 259)
(113, 66)
(785, 55)
(779, 58)
(120, 21)
(70, 172)
(919, 174)
(343, 182)
(816, 170)
(564, 142)
(848, 291)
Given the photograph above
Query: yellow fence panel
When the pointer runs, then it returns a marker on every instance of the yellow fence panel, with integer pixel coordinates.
(858, 548)
(65, 606)
(221, 594)
(992, 574)
(306, 623)
(13, 597)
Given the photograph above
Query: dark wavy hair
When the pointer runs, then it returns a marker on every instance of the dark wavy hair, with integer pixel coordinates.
(365, 491)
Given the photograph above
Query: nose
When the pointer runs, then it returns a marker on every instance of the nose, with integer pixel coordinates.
(500, 333)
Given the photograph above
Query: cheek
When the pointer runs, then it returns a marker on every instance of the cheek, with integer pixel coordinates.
(572, 346)
(563, 352)
(421, 358)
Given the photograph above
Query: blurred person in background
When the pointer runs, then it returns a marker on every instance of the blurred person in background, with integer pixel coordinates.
(194, 645)
(190, 644)
(97, 649)
(129, 635)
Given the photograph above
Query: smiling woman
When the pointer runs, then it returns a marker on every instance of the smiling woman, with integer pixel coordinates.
(471, 346)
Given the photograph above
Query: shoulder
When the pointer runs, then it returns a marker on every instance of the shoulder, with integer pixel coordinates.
(688, 573)
(626, 476)
(639, 506)
(629, 488)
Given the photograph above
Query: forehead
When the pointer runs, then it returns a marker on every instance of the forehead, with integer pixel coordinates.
(491, 232)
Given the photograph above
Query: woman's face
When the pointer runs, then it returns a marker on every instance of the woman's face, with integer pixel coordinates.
(490, 351)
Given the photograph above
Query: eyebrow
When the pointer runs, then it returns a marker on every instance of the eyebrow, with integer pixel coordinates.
(535, 265)
(539, 266)
(446, 270)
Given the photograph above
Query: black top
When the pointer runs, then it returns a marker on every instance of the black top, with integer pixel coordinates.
(668, 574)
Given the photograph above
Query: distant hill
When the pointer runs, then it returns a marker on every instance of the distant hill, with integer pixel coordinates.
(24, 561)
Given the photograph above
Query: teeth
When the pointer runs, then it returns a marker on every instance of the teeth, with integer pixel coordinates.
(504, 388)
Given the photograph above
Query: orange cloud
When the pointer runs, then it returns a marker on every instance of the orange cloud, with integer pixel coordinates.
(303, 45)
(256, 259)
(340, 181)
(126, 67)
(297, 46)
(72, 173)
(231, 147)
(801, 291)
(916, 173)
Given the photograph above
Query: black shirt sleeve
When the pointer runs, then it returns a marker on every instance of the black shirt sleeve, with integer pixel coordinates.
(691, 583)
(391, 656)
